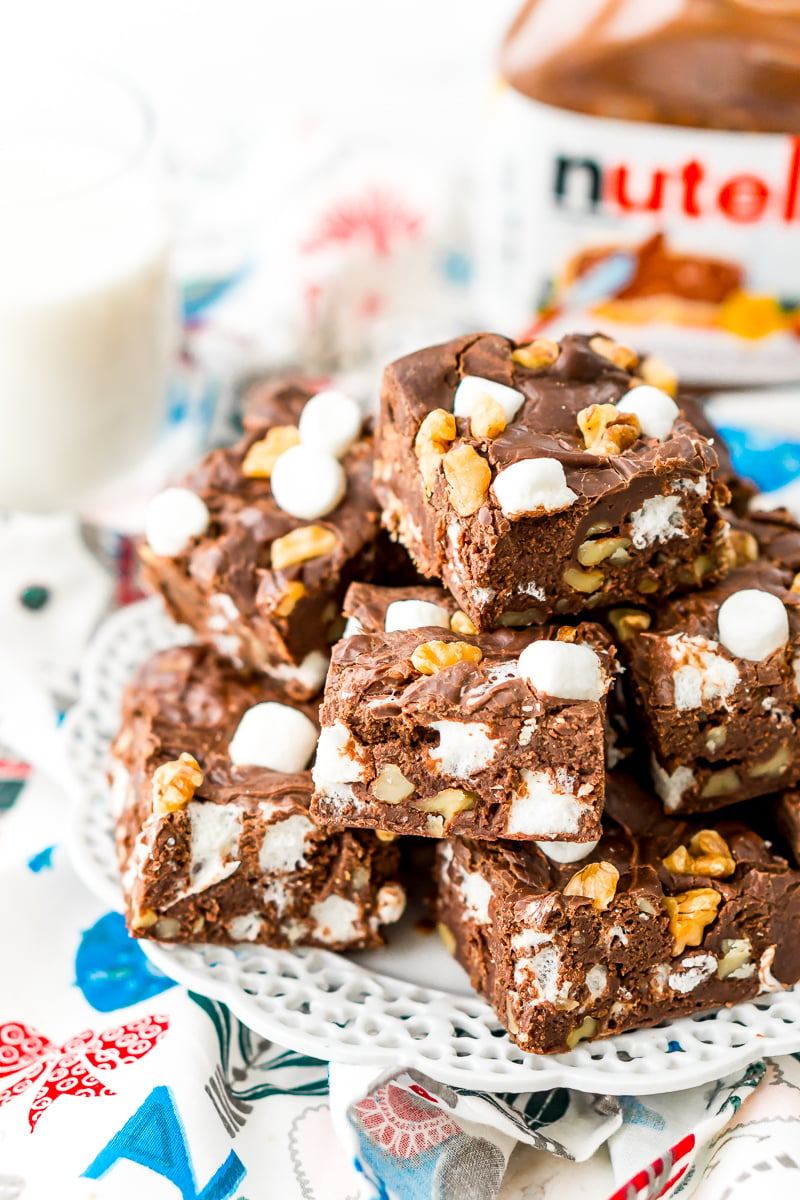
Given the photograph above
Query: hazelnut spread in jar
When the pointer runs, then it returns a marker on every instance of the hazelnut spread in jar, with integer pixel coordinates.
(649, 182)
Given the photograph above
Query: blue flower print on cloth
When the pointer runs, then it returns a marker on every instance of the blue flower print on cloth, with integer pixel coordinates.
(111, 969)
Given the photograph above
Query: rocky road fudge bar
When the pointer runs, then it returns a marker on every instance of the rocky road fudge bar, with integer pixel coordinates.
(431, 731)
(663, 919)
(215, 839)
(545, 478)
(715, 677)
(255, 551)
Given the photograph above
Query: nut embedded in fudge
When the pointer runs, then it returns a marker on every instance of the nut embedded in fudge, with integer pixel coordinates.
(715, 678)
(544, 478)
(664, 918)
(428, 731)
(215, 840)
(257, 548)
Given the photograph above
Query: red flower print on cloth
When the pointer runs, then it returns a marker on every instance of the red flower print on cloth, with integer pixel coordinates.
(403, 1125)
(377, 217)
(68, 1070)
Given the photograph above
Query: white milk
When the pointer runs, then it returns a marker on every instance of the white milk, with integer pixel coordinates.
(86, 319)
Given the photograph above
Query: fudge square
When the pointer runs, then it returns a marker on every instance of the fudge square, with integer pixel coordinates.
(430, 731)
(255, 551)
(545, 478)
(715, 678)
(663, 918)
(214, 835)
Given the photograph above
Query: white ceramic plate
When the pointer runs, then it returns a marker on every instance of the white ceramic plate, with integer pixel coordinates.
(407, 1003)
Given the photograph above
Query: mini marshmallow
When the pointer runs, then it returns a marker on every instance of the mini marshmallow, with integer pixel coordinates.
(567, 852)
(655, 409)
(752, 624)
(531, 485)
(307, 483)
(566, 670)
(274, 736)
(330, 421)
(415, 614)
(472, 387)
(173, 518)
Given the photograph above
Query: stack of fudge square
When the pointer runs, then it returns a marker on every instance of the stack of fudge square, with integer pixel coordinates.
(528, 615)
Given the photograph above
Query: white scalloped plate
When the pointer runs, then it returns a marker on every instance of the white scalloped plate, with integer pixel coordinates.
(379, 1008)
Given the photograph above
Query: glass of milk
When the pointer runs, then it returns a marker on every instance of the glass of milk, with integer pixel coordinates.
(87, 307)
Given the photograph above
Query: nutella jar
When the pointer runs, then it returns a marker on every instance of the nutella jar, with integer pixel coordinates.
(649, 182)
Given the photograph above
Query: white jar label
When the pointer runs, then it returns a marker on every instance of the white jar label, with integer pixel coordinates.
(681, 242)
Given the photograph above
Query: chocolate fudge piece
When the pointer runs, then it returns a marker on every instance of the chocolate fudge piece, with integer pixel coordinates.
(430, 731)
(215, 840)
(772, 534)
(663, 918)
(786, 816)
(262, 584)
(714, 676)
(545, 478)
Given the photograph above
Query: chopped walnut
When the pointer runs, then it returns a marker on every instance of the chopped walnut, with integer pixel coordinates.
(288, 602)
(689, 914)
(460, 623)
(174, 784)
(430, 657)
(468, 476)
(606, 430)
(658, 374)
(300, 545)
(262, 455)
(583, 581)
(615, 352)
(447, 803)
(541, 352)
(587, 1029)
(628, 622)
(707, 854)
(741, 548)
(488, 419)
(598, 882)
(433, 438)
(390, 785)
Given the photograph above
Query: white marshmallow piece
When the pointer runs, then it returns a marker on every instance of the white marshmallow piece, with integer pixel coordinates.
(472, 387)
(566, 670)
(531, 485)
(414, 614)
(307, 483)
(655, 409)
(274, 736)
(330, 421)
(173, 518)
(567, 852)
(753, 624)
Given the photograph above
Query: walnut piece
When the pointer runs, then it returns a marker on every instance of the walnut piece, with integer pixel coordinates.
(433, 438)
(777, 764)
(707, 854)
(735, 954)
(606, 430)
(541, 352)
(385, 835)
(144, 919)
(447, 803)
(583, 581)
(460, 623)
(390, 785)
(430, 657)
(300, 545)
(587, 1029)
(689, 914)
(721, 783)
(262, 455)
(487, 419)
(293, 593)
(615, 352)
(598, 882)
(174, 784)
(468, 476)
(628, 622)
(597, 550)
(448, 941)
(741, 548)
(658, 374)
